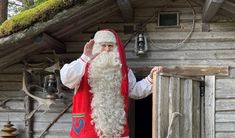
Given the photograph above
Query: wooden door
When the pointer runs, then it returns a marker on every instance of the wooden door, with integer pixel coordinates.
(176, 106)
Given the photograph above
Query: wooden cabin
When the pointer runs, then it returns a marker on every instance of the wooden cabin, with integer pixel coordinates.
(194, 40)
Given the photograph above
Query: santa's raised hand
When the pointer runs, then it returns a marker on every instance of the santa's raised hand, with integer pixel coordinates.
(88, 49)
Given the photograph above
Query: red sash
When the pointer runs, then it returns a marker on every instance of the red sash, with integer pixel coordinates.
(81, 119)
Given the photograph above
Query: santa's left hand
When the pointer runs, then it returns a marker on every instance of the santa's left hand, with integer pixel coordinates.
(155, 69)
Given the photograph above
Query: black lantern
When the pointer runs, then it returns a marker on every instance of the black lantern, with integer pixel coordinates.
(50, 86)
(141, 46)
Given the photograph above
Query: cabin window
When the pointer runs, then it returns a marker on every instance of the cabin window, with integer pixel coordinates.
(168, 19)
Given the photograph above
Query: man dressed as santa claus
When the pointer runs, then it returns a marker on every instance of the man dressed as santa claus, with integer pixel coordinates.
(103, 83)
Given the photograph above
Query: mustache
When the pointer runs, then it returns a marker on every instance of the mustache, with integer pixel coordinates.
(107, 59)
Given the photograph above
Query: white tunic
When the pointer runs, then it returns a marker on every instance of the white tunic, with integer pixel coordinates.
(71, 75)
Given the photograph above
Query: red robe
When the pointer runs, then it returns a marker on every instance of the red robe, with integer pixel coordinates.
(81, 113)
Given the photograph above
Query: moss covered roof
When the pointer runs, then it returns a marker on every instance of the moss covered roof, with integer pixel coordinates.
(40, 13)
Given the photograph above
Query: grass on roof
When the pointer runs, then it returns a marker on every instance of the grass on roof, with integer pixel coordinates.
(40, 13)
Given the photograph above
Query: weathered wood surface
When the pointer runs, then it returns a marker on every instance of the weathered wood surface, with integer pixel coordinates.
(174, 104)
(126, 9)
(176, 96)
(210, 9)
(155, 92)
(225, 88)
(162, 108)
(225, 135)
(210, 106)
(225, 117)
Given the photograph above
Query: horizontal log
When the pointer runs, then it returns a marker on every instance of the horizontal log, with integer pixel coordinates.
(15, 68)
(10, 86)
(225, 105)
(54, 134)
(225, 127)
(167, 36)
(48, 117)
(188, 70)
(151, 63)
(77, 47)
(225, 88)
(11, 77)
(225, 134)
(65, 127)
(151, 4)
(225, 117)
(12, 94)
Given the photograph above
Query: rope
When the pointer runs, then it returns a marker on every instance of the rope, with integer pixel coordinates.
(173, 117)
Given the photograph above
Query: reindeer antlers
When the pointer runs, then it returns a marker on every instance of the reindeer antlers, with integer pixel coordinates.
(46, 102)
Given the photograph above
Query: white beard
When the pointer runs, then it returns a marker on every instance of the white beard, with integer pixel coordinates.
(107, 105)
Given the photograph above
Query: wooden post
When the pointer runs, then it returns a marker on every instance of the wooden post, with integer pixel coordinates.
(28, 122)
(210, 106)
(154, 105)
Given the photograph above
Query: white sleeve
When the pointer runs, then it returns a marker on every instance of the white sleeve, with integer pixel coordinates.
(72, 73)
(140, 89)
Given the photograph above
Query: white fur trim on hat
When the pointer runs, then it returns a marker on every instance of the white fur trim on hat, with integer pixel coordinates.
(104, 36)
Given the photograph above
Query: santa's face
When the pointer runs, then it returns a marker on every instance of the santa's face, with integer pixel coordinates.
(107, 46)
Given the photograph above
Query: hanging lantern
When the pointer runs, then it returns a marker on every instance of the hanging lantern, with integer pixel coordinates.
(8, 131)
(50, 86)
(141, 46)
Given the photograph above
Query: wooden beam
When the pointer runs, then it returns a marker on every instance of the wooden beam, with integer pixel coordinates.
(40, 43)
(50, 42)
(210, 106)
(126, 9)
(19, 54)
(229, 6)
(38, 28)
(187, 70)
(87, 21)
(210, 8)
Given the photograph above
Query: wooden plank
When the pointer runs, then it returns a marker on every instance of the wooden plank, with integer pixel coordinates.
(185, 55)
(15, 68)
(210, 106)
(18, 55)
(73, 46)
(229, 6)
(10, 86)
(39, 126)
(225, 105)
(150, 63)
(225, 134)
(188, 70)
(54, 134)
(210, 9)
(155, 91)
(50, 42)
(225, 127)
(11, 94)
(202, 110)
(225, 88)
(162, 107)
(126, 9)
(187, 109)
(196, 110)
(13, 116)
(174, 105)
(10, 77)
(167, 36)
(225, 117)
(87, 21)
